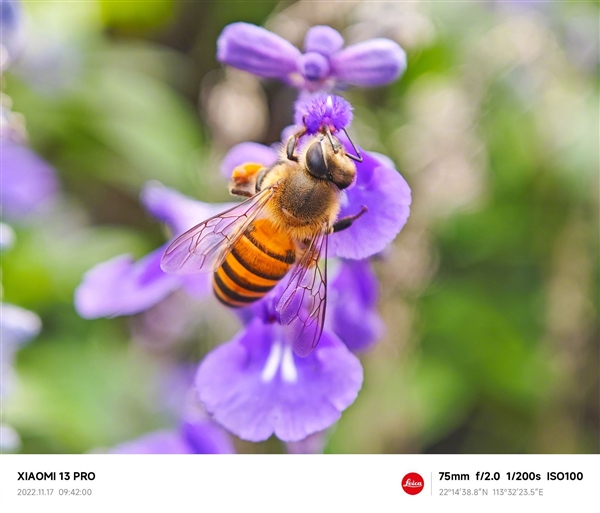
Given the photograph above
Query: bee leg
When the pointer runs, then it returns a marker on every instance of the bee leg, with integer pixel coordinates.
(346, 222)
(241, 192)
(243, 179)
(293, 143)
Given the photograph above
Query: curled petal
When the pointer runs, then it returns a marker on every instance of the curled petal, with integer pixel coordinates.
(323, 39)
(313, 66)
(256, 50)
(28, 183)
(387, 197)
(371, 63)
(254, 386)
(121, 286)
(177, 210)
(247, 152)
(353, 295)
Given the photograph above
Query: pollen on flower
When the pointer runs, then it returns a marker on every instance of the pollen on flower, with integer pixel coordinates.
(319, 111)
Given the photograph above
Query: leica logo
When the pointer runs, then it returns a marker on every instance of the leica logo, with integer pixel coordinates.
(412, 483)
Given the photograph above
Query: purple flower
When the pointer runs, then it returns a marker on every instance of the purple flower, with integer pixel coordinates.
(324, 63)
(192, 437)
(353, 294)
(29, 184)
(378, 186)
(122, 286)
(315, 112)
(255, 386)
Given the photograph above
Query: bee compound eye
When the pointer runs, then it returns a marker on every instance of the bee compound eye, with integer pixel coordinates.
(315, 161)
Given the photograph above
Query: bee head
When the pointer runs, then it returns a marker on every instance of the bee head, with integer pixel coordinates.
(327, 160)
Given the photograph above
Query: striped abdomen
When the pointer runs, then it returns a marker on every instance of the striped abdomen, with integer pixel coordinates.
(256, 263)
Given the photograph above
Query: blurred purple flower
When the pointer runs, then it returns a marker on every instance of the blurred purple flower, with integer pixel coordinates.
(11, 27)
(322, 66)
(255, 386)
(353, 294)
(29, 184)
(378, 186)
(7, 237)
(17, 326)
(122, 286)
(192, 437)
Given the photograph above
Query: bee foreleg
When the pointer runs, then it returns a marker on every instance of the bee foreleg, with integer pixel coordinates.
(243, 179)
(293, 143)
(241, 192)
(346, 222)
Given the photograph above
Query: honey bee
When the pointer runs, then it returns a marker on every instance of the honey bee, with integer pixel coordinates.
(283, 227)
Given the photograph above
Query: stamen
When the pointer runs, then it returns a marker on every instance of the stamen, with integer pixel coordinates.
(329, 105)
(289, 373)
(272, 365)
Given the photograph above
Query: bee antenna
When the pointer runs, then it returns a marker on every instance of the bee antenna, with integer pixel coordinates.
(358, 156)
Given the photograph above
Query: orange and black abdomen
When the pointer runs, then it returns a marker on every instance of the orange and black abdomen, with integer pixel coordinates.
(255, 264)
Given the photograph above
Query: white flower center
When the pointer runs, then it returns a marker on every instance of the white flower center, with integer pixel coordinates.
(280, 357)
(288, 367)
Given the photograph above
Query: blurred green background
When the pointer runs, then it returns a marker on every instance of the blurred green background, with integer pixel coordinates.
(489, 294)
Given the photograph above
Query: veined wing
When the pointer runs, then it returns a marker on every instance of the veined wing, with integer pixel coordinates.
(302, 304)
(203, 248)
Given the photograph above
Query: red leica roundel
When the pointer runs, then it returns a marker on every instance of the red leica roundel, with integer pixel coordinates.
(412, 483)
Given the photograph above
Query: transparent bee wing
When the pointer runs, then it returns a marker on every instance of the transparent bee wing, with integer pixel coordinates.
(203, 248)
(302, 305)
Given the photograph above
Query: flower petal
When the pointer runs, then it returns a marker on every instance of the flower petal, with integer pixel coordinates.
(353, 294)
(323, 39)
(247, 152)
(121, 286)
(371, 63)
(313, 66)
(255, 387)
(256, 50)
(387, 196)
(177, 210)
(28, 183)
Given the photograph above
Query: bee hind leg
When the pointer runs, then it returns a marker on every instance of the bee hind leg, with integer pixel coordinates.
(346, 222)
